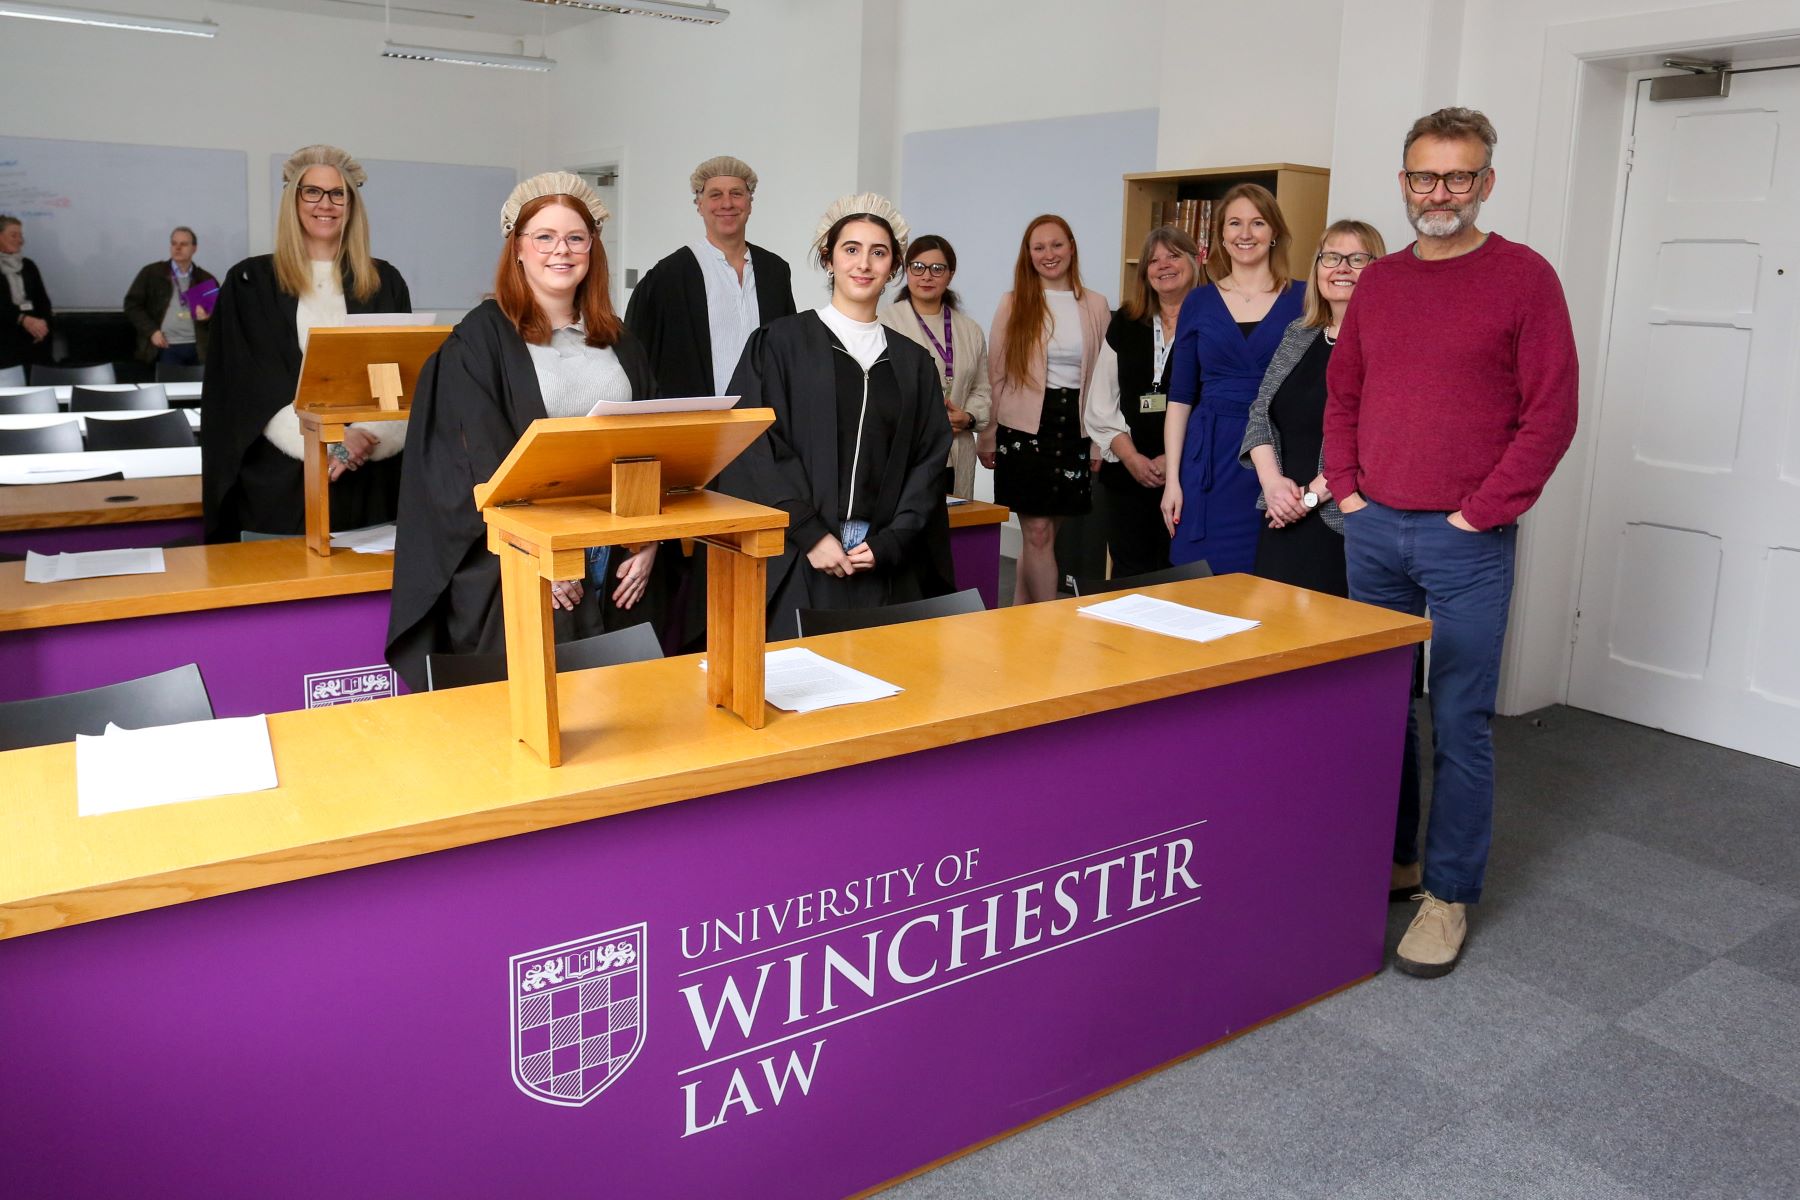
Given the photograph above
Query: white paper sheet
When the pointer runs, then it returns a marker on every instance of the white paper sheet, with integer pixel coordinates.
(376, 539)
(1165, 616)
(92, 564)
(670, 404)
(378, 320)
(798, 680)
(138, 768)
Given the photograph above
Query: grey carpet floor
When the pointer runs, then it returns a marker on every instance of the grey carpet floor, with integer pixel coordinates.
(1625, 1022)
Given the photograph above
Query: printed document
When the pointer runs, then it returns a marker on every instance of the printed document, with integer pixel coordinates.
(92, 564)
(1165, 616)
(137, 768)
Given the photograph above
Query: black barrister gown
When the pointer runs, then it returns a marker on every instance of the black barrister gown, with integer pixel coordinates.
(796, 367)
(476, 397)
(667, 312)
(252, 370)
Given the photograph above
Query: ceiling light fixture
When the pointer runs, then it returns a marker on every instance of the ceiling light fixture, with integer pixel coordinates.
(668, 10)
(107, 20)
(465, 58)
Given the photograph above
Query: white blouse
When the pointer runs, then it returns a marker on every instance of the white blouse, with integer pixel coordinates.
(1064, 350)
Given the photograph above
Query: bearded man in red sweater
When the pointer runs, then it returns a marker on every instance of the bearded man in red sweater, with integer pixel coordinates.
(1452, 395)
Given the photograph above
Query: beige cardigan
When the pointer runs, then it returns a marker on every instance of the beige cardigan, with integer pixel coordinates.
(1021, 406)
(968, 391)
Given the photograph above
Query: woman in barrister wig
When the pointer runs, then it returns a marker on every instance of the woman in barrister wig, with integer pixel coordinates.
(547, 345)
(249, 433)
(856, 455)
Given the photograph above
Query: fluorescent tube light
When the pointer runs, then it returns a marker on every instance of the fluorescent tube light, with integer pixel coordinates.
(669, 10)
(108, 20)
(466, 58)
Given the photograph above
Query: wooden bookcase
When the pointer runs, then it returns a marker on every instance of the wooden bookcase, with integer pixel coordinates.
(1300, 191)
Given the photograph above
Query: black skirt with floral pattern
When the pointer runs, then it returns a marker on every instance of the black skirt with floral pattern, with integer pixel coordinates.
(1045, 474)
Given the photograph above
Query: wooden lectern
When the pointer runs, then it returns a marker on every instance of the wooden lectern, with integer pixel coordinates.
(575, 482)
(357, 373)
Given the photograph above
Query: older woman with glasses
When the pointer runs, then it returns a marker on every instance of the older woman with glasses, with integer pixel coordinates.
(24, 306)
(1302, 540)
(250, 437)
(928, 312)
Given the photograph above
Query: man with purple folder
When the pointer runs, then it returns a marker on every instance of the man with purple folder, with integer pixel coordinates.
(170, 303)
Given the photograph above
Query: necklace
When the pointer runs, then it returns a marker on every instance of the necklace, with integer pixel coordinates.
(1330, 337)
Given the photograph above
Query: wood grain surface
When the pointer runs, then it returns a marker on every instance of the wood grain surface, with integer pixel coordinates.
(105, 502)
(977, 512)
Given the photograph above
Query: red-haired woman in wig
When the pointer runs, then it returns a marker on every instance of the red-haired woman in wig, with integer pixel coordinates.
(1041, 353)
(547, 345)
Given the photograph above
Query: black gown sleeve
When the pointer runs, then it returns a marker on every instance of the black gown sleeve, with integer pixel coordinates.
(771, 471)
(922, 493)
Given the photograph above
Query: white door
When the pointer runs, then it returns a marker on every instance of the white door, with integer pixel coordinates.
(1689, 617)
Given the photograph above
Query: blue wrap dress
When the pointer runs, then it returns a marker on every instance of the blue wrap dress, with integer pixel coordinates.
(1217, 369)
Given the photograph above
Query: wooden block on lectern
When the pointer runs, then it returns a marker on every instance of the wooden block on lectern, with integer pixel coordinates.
(384, 385)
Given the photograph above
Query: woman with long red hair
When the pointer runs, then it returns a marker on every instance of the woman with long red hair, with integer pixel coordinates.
(548, 344)
(1041, 352)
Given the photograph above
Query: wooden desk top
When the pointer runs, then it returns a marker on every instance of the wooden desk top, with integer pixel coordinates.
(369, 783)
(198, 577)
(114, 502)
(977, 512)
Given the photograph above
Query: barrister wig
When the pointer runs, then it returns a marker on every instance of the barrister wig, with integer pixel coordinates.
(723, 164)
(1318, 313)
(1218, 259)
(1029, 327)
(551, 183)
(1143, 303)
(293, 266)
(845, 209)
(593, 295)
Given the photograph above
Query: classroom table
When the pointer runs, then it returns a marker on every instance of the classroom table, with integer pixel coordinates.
(975, 546)
(35, 470)
(699, 959)
(180, 394)
(100, 515)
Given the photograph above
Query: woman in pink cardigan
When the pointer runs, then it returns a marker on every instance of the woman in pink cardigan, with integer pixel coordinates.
(1047, 333)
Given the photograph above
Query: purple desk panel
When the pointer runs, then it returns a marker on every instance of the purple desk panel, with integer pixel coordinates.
(975, 552)
(99, 537)
(798, 990)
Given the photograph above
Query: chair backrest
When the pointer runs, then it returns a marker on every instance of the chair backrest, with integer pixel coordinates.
(168, 698)
(143, 397)
(43, 400)
(635, 644)
(180, 373)
(96, 373)
(155, 431)
(1194, 570)
(814, 621)
(64, 437)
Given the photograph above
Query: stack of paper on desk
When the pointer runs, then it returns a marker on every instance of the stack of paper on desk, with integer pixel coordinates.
(1164, 616)
(92, 564)
(376, 539)
(137, 768)
(800, 681)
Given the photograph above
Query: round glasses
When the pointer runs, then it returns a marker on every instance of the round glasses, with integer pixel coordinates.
(935, 270)
(545, 243)
(1331, 259)
(1457, 183)
(312, 194)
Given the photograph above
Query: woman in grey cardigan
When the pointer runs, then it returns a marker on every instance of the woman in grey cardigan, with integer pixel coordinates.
(1302, 542)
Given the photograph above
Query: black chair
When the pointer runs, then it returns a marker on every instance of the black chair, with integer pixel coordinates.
(145, 397)
(168, 698)
(635, 644)
(64, 437)
(43, 400)
(180, 373)
(1194, 570)
(814, 621)
(52, 376)
(158, 431)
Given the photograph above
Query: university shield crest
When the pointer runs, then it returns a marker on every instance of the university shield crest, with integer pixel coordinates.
(577, 1015)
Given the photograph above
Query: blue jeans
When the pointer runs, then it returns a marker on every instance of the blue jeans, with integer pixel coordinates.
(1411, 562)
(187, 354)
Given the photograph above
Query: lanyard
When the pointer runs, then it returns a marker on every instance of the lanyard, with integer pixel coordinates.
(947, 348)
(1162, 352)
(180, 292)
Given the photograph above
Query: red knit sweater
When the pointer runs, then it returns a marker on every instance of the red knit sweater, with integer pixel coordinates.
(1453, 384)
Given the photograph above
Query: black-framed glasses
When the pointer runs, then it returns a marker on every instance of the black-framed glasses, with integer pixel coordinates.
(545, 243)
(1457, 183)
(1331, 260)
(935, 270)
(312, 194)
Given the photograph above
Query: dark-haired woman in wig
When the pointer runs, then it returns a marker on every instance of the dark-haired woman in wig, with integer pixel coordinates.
(928, 311)
(856, 455)
(250, 441)
(1045, 340)
(1131, 394)
(1223, 343)
(547, 345)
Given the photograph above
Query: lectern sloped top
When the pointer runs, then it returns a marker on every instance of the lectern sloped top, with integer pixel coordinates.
(335, 371)
(561, 458)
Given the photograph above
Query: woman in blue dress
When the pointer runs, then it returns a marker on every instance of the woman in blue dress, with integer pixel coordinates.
(1226, 335)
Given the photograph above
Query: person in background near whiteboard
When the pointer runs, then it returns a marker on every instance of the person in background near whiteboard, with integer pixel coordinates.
(547, 345)
(1302, 542)
(249, 433)
(24, 305)
(1131, 389)
(1452, 396)
(928, 312)
(170, 306)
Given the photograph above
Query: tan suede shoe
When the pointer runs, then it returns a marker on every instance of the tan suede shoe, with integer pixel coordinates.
(1434, 940)
(1404, 880)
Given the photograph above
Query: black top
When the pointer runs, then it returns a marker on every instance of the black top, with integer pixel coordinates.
(1247, 327)
(474, 400)
(874, 413)
(1297, 411)
(1135, 344)
(667, 312)
(16, 346)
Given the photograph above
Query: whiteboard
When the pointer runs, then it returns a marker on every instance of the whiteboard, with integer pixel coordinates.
(438, 224)
(96, 212)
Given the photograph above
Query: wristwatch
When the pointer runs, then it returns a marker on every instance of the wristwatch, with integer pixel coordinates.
(1310, 500)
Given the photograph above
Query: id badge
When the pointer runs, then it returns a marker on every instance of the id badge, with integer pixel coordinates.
(1153, 402)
